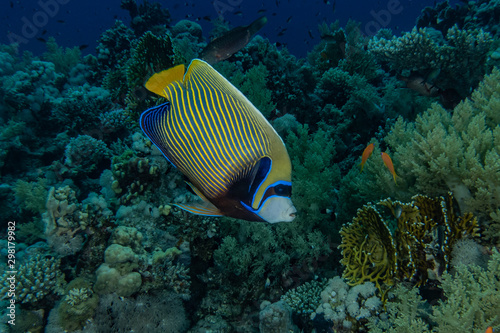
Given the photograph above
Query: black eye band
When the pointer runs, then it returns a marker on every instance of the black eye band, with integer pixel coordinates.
(280, 190)
(283, 190)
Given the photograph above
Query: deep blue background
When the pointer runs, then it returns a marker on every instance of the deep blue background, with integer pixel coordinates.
(79, 22)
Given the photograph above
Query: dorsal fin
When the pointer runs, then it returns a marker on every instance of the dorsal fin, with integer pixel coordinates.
(201, 71)
(159, 81)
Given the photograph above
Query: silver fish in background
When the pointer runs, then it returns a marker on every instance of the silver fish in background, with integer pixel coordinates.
(231, 42)
(234, 160)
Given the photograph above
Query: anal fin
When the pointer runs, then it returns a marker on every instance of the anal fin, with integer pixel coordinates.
(203, 208)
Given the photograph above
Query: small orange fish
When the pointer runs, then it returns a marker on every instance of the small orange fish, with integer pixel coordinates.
(366, 153)
(489, 329)
(388, 163)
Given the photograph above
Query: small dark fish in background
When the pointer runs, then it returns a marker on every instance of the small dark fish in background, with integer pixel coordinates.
(310, 34)
(40, 39)
(289, 19)
(282, 32)
(83, 46)
(231, 42)
(261, 11)
(61, 21)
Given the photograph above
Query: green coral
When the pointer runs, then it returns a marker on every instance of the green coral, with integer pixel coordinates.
(314, 174)
(458, 152)
(31, 195)
(252, 84)
(31, 232)
(404, 313)
(472, 298)
(63, 59)
(471, 303)
(12, 129)
(349, 103)
(150, 55)
(252, 251)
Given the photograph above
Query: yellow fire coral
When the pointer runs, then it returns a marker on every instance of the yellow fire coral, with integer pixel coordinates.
(418, 249)
(368, 249)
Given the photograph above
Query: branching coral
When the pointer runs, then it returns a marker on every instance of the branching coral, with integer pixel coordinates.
(460, 56)
(414, 251)
(314, 172)
(38, 277)
(305, 298)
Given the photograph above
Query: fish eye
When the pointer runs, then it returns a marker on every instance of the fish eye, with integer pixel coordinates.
(283, 190)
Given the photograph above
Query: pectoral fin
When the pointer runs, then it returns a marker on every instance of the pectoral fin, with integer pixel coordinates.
(202, 208)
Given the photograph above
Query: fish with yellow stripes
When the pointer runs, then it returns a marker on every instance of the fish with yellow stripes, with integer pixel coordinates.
(233, 158)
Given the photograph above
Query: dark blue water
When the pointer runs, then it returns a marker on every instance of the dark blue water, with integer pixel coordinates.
(76, 23)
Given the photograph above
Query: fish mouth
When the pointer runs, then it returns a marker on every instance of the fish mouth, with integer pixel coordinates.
(292, 212)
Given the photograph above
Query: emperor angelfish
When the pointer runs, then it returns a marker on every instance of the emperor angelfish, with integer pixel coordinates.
(234, 160)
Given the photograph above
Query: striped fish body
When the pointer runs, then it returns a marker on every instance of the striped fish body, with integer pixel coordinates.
(233, 158)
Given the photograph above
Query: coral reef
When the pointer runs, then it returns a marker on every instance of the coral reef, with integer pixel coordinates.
(305, 298)
(459, 56)
(469, 304)
(346, 308)
(84, 154)
(456, 152)
(314, 173)
(92, 197)
(32, 195)
(413, 250)
(151, 54)
(78, 306)
(469, 15)
(162, 312)
(275, 317)
(63, 59)
(38, 278)
(78, 110)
